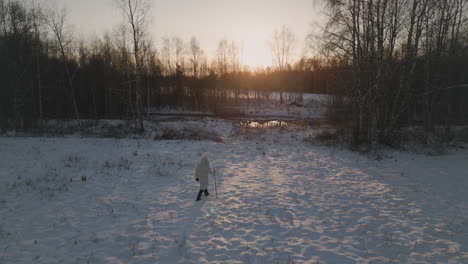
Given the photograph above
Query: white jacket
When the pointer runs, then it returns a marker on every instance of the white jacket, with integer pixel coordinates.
(202, 171)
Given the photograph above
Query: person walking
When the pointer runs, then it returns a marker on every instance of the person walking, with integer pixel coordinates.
(201, 175)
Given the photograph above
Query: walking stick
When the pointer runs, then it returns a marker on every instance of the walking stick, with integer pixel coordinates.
(214, 176)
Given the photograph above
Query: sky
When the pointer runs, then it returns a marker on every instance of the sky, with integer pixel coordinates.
(250, 23)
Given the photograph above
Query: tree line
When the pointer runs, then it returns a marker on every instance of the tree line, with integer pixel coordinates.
(390, 64)
(405, 62)
(45, 72)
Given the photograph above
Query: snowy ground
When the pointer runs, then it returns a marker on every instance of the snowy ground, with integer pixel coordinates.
(281, 200)
(312, 106)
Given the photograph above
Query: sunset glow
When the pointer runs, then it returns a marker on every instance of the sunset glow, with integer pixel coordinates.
(250, 24)
(255, 51)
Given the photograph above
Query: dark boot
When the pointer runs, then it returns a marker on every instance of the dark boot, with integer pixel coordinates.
(199, 195)
(206, 192)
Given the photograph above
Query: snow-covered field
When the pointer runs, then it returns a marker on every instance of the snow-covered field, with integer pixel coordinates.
(281, 200)
(312, 106)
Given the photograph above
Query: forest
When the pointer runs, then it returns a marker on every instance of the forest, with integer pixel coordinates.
(387, 64)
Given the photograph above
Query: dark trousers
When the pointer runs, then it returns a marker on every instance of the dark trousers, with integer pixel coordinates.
(200, 193)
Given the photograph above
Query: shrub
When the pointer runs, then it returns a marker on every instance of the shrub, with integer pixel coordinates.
(330, 137)
(188, 133)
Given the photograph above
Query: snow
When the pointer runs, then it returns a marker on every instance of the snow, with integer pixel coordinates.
(312, 106)
(176, 111)
(281, 200)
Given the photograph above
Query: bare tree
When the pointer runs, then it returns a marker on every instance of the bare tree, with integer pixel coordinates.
(179, 52)
(222, 58)
(396, 49)
(121, 37)
(234, 68)
(37, 19)
(136, 14)
(166, 54)
(173, 55)
(56, 20)
(204, 67)
(282, 45)
(196, 56)
(234, 58)
(179, 56)
(151, 63)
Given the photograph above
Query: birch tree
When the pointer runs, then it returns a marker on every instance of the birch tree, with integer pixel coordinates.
(136, 16)
(396, 50)
(56, 20)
